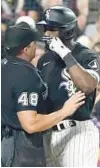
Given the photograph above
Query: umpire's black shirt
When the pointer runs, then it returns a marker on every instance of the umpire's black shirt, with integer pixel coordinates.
(22, 89)
(60, 85)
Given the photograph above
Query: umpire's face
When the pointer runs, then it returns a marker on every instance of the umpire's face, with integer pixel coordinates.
(30, 50)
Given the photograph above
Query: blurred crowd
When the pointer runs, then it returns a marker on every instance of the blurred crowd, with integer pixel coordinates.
(87, 11)
(88, 26)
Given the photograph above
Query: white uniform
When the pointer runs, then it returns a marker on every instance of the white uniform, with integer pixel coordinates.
(73, 146)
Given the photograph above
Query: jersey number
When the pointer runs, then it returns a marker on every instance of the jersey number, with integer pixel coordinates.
(25, 100)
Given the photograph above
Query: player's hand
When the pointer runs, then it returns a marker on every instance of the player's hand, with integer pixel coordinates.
(56, 45)
(74, 103)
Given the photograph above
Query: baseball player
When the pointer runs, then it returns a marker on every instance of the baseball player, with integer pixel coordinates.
(68, 66)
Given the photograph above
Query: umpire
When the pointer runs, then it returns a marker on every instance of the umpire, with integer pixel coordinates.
(19, 99)
(24, 95)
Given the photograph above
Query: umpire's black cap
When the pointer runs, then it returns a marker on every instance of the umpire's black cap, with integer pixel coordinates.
(20, 35)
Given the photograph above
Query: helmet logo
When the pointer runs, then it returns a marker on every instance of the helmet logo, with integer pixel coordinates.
(47, 14)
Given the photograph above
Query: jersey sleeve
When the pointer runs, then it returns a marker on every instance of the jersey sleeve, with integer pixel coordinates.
(26, 91)
(91, 62)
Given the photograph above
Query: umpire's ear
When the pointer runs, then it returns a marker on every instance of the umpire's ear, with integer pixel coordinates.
(25, 49)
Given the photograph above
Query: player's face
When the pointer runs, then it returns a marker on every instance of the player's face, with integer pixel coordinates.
(51, 31)
(31, 49)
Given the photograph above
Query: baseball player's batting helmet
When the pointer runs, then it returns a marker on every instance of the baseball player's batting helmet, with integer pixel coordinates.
(60, 17)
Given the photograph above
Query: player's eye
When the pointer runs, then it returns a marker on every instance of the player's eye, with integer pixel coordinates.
(50, 28)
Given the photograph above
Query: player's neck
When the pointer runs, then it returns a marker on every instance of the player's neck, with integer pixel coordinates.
(23, 57)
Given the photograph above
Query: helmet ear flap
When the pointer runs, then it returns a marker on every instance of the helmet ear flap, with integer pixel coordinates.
(67, 34)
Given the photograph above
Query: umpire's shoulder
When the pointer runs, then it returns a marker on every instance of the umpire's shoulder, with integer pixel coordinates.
(25, 71)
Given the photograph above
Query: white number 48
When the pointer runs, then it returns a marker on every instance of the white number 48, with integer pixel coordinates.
(25, 100)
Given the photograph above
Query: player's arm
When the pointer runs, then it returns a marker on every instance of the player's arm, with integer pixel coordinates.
(83, 79)
(26, 93)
